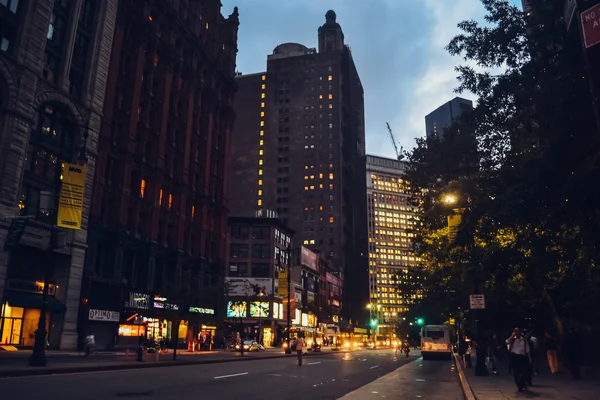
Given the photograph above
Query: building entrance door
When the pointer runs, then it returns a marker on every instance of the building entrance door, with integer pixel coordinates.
(11, 324)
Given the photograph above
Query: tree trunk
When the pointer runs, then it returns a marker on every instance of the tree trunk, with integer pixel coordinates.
(558, 325)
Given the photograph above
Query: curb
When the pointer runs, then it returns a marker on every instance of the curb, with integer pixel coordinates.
(464, 382)
(134, 365)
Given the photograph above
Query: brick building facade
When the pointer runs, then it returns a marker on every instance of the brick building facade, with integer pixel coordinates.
(159, 216)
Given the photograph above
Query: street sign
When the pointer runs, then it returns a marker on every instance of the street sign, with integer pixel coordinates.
(570, 7)
(477, 301)
(590, 26)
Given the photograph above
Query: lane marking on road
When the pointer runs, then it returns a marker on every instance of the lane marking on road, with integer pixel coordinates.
(230, 376)
(374, 366)
(274, 375)
(314, 363)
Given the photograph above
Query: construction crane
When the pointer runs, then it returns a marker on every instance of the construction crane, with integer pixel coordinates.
(399, 154)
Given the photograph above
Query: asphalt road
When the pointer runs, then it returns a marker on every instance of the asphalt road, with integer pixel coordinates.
(321, 377)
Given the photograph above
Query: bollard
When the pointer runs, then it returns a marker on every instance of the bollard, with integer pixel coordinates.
(140, 354)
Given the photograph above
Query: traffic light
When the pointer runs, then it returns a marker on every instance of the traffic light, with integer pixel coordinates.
(373, 323)
(420, 321)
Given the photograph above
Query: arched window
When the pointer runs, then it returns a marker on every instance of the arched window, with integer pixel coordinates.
(51, 143)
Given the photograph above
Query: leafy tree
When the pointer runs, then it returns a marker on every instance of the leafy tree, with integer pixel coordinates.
(528, 237)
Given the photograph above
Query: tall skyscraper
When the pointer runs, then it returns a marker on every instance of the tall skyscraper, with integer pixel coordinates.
(392, 261)
(298, 147)
(54, 57)
(443, 116)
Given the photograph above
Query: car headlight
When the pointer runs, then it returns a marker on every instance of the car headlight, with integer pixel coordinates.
(237, 346)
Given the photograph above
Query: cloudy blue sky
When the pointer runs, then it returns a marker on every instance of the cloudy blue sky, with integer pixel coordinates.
(397, 45)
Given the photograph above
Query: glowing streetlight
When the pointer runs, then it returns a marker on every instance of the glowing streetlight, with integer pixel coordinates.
(450, 199)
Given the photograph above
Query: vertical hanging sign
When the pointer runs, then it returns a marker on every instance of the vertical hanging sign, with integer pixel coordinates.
(70, 203)
(282, 288)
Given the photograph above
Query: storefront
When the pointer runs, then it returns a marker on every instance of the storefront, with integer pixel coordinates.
(151, 319)
(20, 313)
(103, 324)
(202, 329)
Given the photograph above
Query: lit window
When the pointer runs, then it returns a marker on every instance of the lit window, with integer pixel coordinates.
(321, 208)
(259, 202)
(223, 47)
(262, 123)
(262, 105)
(305, 187)
(262, 95)
(262, 113)
(142, 188)
(206, 26)
(260, 192)
(261, 142)
(261, 133)
(260, 172)
(330, 78)
(170, 200)
(261, 152)
(193, 211)
(160, 197)
(312, 177)
(320, 96)
(330, 96)
(260, 182)
(264, 86)
(331, 175)
(321, 176)
(312, 241)
(331, 106)
(306, 242)
(330, 165)
(305, 177)
(331, 220)
(260, 162)
(264, 77)
(312, 188)
(320, 186)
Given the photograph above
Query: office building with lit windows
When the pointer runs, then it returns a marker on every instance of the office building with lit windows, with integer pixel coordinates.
(392, 218)
(298, 147)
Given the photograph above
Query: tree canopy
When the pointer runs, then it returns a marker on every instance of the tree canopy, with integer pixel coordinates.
(523, 167)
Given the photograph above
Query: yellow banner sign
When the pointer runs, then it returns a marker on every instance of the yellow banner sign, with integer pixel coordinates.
(70, 203)
(282, 285)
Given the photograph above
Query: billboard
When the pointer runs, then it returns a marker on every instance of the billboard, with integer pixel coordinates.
(260, 309)
(249, 287)
(70, 201)
(236, 309)
(309, 259)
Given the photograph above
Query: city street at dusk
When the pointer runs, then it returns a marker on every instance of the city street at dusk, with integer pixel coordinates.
(320, 377)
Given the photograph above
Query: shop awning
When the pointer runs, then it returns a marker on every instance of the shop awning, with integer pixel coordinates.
(30, 300)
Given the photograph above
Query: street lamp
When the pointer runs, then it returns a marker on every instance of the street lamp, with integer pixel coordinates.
(450, 199)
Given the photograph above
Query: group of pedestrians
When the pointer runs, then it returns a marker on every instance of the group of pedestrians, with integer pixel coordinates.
(526, 352)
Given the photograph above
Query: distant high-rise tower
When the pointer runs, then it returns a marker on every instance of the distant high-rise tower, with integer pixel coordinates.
(443, 117)
(298, 146)
(392, 260)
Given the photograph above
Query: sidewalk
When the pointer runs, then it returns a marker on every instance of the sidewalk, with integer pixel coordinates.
(412, 380)
(560, 386)
(58, 362)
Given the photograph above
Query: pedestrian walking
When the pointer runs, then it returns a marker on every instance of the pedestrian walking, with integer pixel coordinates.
(552, 352)
(520, 358)
(90, 341)
(299, 348)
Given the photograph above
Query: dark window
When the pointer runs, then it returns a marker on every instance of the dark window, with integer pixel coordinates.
(238, 269)
(50, 145)
(239, 231)
(239, 250)
(9, 23)
(57, 31)
(260, 251)
(261, 232)
(260, 270)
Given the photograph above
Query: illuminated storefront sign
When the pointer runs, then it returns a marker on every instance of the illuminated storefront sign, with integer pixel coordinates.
(200, 310)
(259, 309)
(103, 315)
(161, 303)
(236, 309)
(138, 300)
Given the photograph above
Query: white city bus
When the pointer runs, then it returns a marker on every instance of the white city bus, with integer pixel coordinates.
(435, 341)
